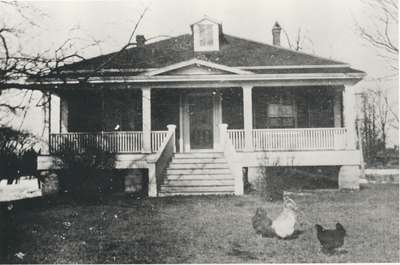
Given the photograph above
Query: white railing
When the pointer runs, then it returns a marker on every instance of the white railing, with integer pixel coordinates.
(237, 137)
(114, 142)
(164, 154)
(299, 139)
(231, 157)
(157, 138)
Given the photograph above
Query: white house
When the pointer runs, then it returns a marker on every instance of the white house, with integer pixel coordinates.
(197, 108)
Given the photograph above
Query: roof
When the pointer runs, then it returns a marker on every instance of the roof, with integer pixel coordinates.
(234, 52)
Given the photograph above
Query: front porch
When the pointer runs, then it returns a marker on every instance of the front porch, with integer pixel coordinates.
(134, 121)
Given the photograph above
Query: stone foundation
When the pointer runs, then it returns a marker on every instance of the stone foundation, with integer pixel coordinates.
(50, 183)
(349, 177)
(135, 181)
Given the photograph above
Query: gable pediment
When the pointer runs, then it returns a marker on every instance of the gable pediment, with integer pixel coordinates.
(196, 67)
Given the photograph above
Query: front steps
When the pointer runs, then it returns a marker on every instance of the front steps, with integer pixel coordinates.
(198, 173)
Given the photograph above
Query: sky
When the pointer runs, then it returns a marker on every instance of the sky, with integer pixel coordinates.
(328, 26)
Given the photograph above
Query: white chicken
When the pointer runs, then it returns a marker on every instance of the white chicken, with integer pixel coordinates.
(284, 224)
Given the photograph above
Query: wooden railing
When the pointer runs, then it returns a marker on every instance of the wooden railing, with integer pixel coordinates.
(114, 142)
(237, 138)
(164, 155)
(231, 157)
(299, 139)
(157, 138)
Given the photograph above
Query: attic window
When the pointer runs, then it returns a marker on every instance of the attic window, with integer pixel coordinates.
(206, 35)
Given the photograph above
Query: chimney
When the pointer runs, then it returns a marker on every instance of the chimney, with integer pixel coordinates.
(276, 34)
(140, 40)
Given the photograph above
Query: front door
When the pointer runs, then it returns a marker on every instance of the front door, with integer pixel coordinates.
(201, 121)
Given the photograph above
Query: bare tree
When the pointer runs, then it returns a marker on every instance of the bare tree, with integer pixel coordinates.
(300, 41)
(18, 64)
(382, 32)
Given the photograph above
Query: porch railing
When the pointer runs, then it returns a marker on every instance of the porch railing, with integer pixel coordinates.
(291, 139)
(237, 138)
(115, 142)
(157, 138)
(299, 139)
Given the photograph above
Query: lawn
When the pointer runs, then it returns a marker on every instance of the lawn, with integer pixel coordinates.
(208, 229)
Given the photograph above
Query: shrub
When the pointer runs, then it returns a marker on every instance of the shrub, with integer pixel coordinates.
(86, 173)
(17, 156)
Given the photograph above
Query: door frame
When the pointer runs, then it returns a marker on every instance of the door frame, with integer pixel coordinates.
(184, 119)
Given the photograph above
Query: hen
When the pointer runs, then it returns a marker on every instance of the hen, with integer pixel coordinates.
(284, 224)
(330, 239)
(262, 223)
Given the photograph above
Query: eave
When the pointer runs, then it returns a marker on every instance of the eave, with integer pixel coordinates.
(206, 81)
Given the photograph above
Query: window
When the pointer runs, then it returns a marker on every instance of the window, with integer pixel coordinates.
(206, 35)
(281, 112)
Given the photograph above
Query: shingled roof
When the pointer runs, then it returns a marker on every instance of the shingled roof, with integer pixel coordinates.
(234, 51)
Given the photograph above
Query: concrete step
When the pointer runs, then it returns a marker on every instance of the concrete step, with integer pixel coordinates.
(198, 183)
(168, 194)
(197, 160)
(199, 176)
(199, 189)
(174, 165)
(198, 171)
(199, 155)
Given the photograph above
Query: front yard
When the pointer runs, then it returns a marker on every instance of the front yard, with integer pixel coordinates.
(121, 229)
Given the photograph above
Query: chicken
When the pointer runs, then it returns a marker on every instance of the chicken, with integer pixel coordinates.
(330, 239)
(284, 224)
(262, 223)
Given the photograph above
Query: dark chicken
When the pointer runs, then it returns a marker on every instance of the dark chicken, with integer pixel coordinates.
(331, 239)
(262, 223)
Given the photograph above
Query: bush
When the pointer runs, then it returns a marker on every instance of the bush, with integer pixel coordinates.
(87, 173)
(17, 156)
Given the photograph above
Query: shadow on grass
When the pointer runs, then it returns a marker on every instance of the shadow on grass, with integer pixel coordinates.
(295, 235)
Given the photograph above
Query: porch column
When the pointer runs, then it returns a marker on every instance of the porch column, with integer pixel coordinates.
(45, 149)
(248, 116)
(337, 108)
(63, 115)
(146, 119)
(349, 116)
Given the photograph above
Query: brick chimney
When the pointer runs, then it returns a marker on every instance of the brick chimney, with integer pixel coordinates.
(140, 40)
(276, 34)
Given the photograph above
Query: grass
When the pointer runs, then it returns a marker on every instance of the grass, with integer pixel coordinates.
(207, 229)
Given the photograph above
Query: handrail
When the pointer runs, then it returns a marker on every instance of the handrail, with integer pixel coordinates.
(164, 155)
(232, 159)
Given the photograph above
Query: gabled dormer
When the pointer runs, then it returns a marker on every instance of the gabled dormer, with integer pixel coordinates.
(206, 35)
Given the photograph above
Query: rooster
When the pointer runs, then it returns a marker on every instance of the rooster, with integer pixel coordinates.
(330, 239)
(282, 226)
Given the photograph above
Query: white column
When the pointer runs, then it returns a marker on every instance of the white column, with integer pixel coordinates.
(45, 150)
(55, 113)
(63, 115)
(248, 117)
(349, 116)
(217, 117)
(146, 119)
(181, 125)
(222, 136)
(337, 108)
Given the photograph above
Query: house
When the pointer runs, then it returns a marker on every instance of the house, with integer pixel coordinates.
(194, 110)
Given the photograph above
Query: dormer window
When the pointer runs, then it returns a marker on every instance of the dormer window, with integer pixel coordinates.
(206, 35)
